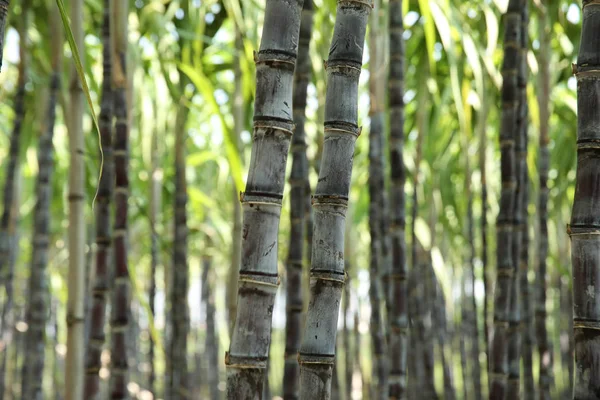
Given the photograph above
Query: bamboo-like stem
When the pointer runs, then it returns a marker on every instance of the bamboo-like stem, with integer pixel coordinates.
(543, 97)
(273, 124)
(177, 381)
(505, 270)
(398, 317)
(3, 17)
(101, 284)
(520, 220)
(212, 344)
(75, 367)
(38, 302)
(585, 218)
(376, 212)
(10, 211)
(330, 201)
(298, 178)
(121, 296)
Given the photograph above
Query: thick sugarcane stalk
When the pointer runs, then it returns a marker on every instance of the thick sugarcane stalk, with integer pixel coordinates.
(543, 97)
(102, 279)
(505, 270)
(38, 301)
(330, 201)
(398, 315)
(585, 218)
(258, 278)
(121, 296)
(299, 195)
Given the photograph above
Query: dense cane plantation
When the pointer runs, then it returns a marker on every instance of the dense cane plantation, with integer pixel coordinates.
(300, 199)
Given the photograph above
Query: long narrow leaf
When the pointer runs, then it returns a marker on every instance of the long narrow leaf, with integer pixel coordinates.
(206, 88)
(79, 67)
(429, 27)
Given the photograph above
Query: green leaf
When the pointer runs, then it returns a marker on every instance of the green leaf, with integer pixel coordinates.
(429, 27)
(206, 88)
(199, 158)
(83, 81)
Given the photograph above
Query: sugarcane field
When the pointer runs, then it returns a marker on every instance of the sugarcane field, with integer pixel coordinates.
(299, 199)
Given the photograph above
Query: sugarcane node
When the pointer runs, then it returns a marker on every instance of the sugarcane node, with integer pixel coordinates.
(586, 324)
(294, 308)
(591, 74)
(309, 358)
(245, 362)
(275, 62)
(72, 319)
(581, 145)
(341, 130)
